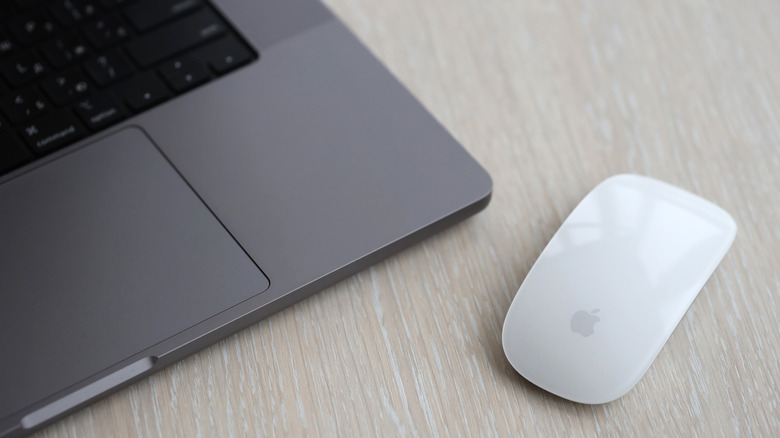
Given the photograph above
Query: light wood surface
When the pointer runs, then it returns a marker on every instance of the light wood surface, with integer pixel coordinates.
(551, 97)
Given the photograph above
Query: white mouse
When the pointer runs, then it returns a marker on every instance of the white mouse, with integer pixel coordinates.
(610, 287)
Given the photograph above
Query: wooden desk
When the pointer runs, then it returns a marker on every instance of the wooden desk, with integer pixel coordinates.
(551, 97)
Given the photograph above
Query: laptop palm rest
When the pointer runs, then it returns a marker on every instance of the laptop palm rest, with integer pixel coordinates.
(107, 252)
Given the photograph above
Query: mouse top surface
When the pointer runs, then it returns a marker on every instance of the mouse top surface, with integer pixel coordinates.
(608, 290)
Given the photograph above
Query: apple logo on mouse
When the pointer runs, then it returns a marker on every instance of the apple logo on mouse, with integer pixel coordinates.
(582, 322)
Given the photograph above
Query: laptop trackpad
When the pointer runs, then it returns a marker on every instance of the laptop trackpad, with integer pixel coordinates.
(104, 253)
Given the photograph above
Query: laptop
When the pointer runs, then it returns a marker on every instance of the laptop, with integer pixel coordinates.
(173, 171)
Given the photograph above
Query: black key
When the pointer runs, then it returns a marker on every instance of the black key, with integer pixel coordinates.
(32, 29)
(106, 32)
(71, 12)
(22, 68)
(183, 34)
(29, 4)
(12, 152)
(64, 50)
(3, 124)
(143, 91)
(184, 73)
(150, 13)
(225, 55)
(52, 132)
(6, 11)
(100, 111)
(112, 4)
(109, 68)
(24, 105)
(7, 44)
(66, 87)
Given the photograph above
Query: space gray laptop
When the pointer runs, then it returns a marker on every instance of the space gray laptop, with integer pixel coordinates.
(176, 170)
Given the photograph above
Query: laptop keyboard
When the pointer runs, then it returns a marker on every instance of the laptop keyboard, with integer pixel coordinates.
(70, 68)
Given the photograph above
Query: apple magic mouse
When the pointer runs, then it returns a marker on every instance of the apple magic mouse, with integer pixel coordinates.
(608, 290)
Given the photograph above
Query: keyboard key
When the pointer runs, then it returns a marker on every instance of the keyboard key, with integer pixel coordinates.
(12, 152)
(24, 105)
(52, 132)
(150, 13)
(181, 35)
(143, 91)
(113, 4)
(22, 68)
(3, 124)
(106, 32)
(225, 55)
(7, 44)
(109, 68)
(29, 4)
(64, 50)
(184, 73)
(100, 111)
(66, 87)
(6, 11)
(32, 29)
(71, 12)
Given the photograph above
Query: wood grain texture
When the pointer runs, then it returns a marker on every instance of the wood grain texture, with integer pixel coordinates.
(551, 97)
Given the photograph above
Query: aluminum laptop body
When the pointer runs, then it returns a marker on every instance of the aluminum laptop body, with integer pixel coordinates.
(147, 241)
